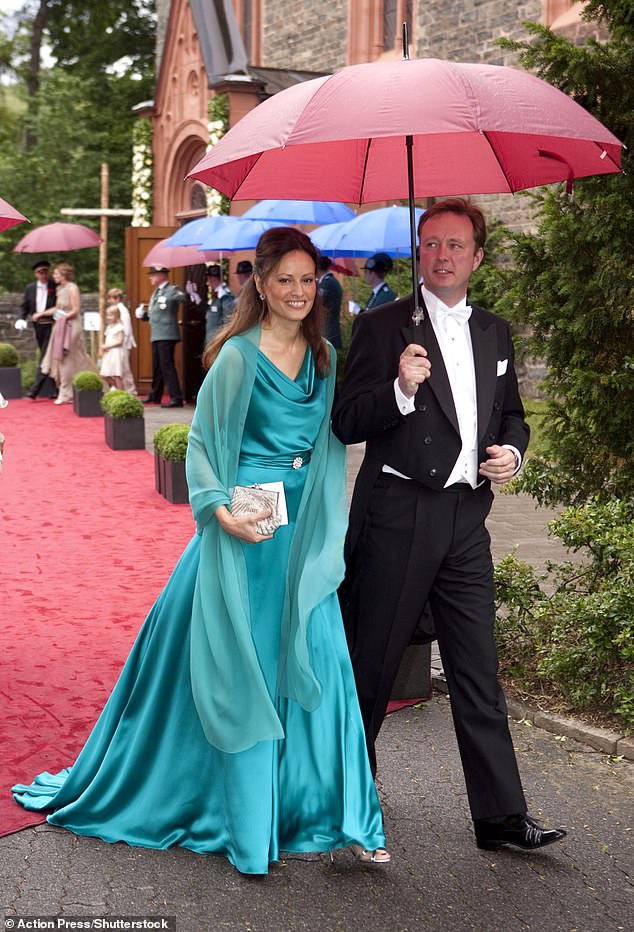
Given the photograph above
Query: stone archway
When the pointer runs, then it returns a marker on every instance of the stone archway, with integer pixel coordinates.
(184, 197)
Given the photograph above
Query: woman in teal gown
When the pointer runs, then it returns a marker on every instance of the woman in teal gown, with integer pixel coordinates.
(234, 727)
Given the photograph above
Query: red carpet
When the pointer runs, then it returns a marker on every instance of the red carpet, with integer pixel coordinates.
(87, 545)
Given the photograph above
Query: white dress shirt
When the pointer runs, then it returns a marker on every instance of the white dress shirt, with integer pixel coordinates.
(41, 296)
(451, 326)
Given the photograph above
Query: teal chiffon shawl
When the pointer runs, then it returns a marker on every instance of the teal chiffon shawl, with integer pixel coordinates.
(230, 693)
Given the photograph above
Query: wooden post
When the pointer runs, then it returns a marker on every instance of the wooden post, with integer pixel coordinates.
(103, 253)
(103, 213)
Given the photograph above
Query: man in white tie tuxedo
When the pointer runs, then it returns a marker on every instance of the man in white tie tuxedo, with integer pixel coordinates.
(439, 410)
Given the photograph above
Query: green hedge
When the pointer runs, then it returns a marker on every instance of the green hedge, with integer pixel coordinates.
(570, 630)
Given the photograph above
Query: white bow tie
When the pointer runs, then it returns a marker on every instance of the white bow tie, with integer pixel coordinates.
(460, 313)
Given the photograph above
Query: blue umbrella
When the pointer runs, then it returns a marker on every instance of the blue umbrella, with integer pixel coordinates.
(328, 238)
(193, 233)
(386, 229)
(243, 234)
(300, 211)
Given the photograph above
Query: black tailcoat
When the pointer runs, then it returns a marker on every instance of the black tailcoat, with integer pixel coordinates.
(411, 542)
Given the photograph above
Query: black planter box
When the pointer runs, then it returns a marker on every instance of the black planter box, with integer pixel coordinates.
(11, 381)
(125, 434)
(413, 680)
(87, 404)
(170, 479)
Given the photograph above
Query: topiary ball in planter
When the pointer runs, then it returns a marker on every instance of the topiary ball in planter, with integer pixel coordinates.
(87, 394)
(10, 374)
(9, 357)
(110, 398)
(170, 441)
(124, 423)
(170, 450)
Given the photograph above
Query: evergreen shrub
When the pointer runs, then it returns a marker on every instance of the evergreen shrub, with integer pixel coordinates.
(170, 441)
(87, 381)
(8, 356)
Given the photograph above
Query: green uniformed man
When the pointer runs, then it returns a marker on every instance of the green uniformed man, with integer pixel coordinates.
(164, 334)
(374, 272)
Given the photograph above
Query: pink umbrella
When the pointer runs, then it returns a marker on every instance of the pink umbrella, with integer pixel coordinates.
(174, 257)
(475, 129)
(58, 237)
(466, 129)
(9, 216)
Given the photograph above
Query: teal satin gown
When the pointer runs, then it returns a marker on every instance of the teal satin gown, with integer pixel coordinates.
(148, 776)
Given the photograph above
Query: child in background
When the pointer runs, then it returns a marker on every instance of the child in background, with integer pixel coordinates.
(115, 296)
(112, 349)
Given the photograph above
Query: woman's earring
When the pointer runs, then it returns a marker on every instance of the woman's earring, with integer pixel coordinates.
(261, 296)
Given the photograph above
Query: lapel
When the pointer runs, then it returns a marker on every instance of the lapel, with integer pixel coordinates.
(484, 341)
(438, 381)
(374, 298)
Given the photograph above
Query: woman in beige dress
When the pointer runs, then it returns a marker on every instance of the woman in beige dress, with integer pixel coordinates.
(66, 354)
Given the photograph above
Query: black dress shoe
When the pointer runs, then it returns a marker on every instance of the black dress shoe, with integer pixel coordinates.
(148, 401)
(519, 830)
(172, 404)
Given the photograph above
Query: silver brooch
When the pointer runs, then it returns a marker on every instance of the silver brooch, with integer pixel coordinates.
(298, 462)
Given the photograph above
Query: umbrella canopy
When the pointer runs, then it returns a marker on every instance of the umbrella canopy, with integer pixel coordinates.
(58, 237)
(300, 211)
(194, 232)
(175, 257)
(384, 230)
(435, 128)
(474, 128)
(243, 234)
(9, 216)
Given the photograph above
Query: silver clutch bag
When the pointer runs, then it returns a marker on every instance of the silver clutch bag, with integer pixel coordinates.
(250, 499)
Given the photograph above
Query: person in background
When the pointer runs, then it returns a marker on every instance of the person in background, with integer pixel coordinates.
(66, 352)
(39, 296)
(331, 293)
(220, 304)
(234, 728)
(374, 272)
(244, 271)
(115, 297)
(112, 349)
(439, 408)
(164, 334)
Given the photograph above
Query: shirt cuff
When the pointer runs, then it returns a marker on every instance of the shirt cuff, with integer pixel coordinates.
(405, 405)
(516, 453)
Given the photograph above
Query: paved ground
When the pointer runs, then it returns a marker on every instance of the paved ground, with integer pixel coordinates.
(438, 881)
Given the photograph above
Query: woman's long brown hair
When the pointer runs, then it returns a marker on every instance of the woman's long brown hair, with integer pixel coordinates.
(271, 249)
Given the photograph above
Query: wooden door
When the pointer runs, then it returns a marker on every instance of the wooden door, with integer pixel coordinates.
(139, 241)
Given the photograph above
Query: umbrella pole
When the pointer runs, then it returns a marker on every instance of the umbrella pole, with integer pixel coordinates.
(419, 314)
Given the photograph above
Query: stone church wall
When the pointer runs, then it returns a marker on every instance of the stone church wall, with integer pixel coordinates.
(304, 35)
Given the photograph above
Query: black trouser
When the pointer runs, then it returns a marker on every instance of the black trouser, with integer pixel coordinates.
(164, 371)
(44, 385)
(419, 545)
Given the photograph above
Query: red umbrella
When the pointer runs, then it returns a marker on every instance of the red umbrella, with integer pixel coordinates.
(9, 216)
(470, 129)
(175, 257)
(58, 237)
(475, 129)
